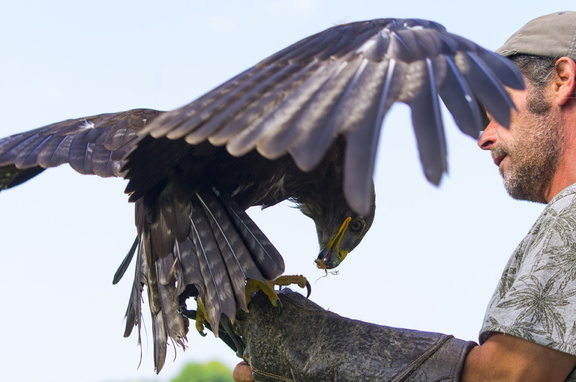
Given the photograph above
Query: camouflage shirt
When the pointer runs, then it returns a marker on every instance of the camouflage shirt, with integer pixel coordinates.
(536, 296)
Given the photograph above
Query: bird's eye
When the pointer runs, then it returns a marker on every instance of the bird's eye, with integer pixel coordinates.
(356, 225)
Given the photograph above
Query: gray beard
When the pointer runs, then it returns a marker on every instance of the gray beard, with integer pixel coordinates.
(535, 159)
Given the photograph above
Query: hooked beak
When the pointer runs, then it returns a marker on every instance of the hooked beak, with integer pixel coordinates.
(331, 256)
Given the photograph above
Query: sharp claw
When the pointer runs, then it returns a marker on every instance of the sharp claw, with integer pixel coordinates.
(279, 308)
(229, 337)
(308, 289)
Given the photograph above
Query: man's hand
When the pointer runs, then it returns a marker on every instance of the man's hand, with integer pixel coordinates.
(242, 373)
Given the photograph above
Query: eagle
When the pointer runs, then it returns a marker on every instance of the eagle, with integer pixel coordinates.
(301, 125)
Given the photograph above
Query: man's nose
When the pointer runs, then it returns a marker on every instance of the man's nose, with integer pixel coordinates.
(488, 137)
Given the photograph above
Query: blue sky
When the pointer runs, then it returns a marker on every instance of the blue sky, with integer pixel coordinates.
(430, 262)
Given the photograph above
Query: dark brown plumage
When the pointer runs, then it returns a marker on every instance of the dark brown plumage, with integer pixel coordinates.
(301, 125)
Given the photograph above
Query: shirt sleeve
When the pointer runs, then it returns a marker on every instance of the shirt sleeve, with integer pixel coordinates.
(536, 297)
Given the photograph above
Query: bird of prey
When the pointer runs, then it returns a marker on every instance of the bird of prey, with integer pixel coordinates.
(301, 125)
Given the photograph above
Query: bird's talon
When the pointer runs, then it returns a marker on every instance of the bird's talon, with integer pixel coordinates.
(200, 317)
(308, 289)
(279, 308)
(267, 287)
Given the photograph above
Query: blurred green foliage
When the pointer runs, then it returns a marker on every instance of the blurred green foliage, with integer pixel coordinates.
(200, 372)
(204, 372)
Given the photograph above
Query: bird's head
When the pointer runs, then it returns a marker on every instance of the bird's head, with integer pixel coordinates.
(343, 241)
(340, 229)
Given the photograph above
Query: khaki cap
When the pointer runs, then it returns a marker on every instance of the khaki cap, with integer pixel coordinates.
(552, 35)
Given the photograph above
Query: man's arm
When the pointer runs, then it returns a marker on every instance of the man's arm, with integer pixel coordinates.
(509, 358)
(303, 342)
(306, 343)
(501, 358)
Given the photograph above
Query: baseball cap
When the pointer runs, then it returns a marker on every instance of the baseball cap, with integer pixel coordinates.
(552, 35)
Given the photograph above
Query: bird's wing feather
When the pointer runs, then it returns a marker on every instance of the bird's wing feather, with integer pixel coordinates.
(300, 99)
(91, 145)
(459, 99)
(488, 90)
(428, 127)
(309, 145)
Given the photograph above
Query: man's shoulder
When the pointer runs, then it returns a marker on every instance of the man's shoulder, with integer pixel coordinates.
(564, 196)
(559, 215)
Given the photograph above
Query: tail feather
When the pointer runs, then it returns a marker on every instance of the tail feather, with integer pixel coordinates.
(160, 340)
(223, 248)
(239, 264)
(134, 309)
(168, 322)
(190, 266)
(125, 263)
(262, 251)
(218, 297)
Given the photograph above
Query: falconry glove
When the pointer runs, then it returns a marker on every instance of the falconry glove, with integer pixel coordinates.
(304, 342)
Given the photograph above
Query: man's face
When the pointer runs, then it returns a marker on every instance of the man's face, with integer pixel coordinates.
(528, 153)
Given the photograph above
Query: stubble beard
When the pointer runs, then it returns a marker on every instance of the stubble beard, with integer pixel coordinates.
(534, 157)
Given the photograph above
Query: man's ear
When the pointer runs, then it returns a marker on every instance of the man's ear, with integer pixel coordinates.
(565, 81)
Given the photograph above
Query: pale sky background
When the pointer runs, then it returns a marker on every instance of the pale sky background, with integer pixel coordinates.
(430, 262)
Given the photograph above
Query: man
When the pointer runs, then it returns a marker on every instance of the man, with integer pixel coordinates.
(529, 333)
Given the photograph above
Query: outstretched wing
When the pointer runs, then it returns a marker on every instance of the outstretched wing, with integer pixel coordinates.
(342, 82)
(91, 145)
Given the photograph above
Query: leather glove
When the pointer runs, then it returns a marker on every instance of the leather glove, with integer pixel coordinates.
(303, 342)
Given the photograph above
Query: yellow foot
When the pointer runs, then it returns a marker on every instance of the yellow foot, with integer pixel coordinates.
(200, 317)
(253, 286)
